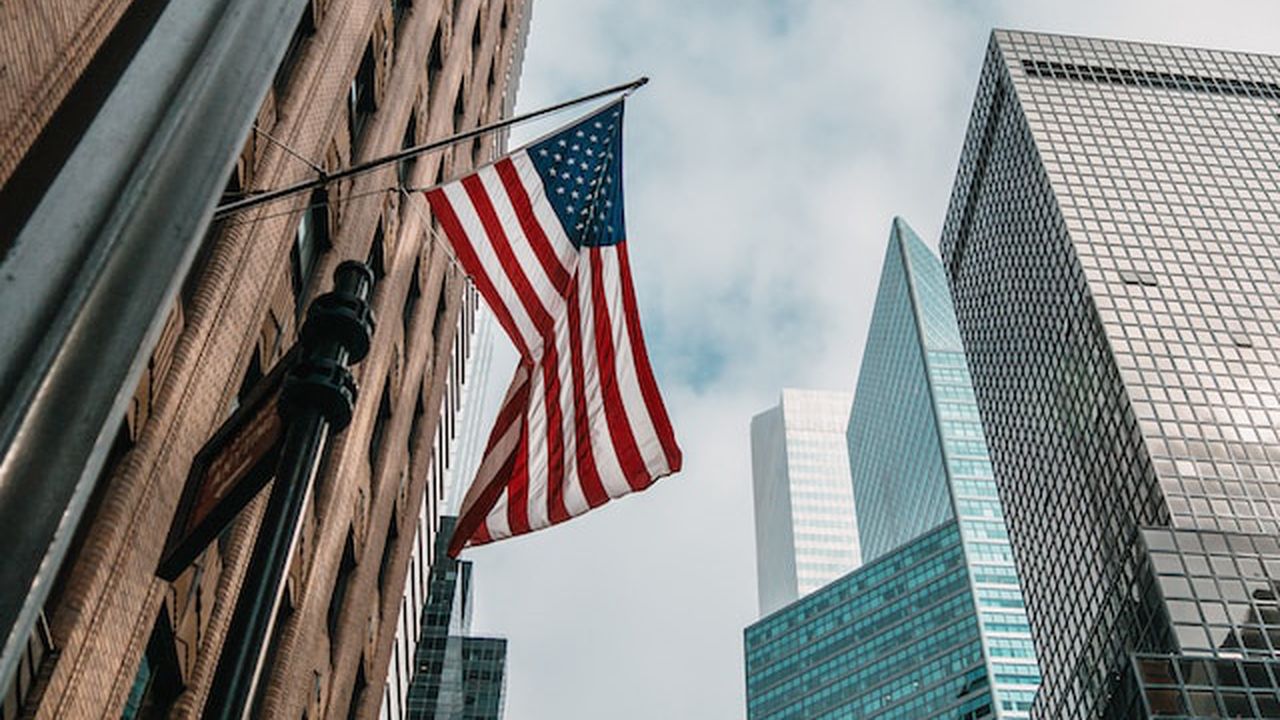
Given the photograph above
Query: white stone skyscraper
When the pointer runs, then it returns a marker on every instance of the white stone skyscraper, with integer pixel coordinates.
(806, 530)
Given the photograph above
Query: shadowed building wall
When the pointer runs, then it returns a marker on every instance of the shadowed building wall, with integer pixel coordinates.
(359, 80)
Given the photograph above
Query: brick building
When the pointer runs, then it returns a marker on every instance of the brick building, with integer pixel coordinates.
(359, 79)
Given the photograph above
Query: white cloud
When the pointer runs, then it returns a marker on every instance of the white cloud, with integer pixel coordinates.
(764, 163)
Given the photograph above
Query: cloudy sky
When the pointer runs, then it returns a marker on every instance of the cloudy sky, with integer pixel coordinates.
(764, 163)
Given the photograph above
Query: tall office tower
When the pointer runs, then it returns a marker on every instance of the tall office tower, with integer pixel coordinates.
(932, 626)
(355, 80)
(455, 676)
(806, 532)
(1112, 244)
(462, 406)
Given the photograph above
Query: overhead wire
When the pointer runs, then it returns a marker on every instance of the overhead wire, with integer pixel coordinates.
(284, 146)
(253, 200)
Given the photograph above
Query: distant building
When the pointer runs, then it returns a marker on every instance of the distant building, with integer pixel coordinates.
(933, 625)
(896, 638)
(806, 532)
(455, 442)
(456, 677)
(484, 667)
(1113, 247)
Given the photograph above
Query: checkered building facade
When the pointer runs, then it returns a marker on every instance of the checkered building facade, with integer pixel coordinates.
(1112, 249)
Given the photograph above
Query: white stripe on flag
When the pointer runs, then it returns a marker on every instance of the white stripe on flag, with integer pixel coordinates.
(496, 522)
(542, 210)
(625, 370)
(474, 228)
(521, 246)
(575, 500)
(538, 470)
(611, 473)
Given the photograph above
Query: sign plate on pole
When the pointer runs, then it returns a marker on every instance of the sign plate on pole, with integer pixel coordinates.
(227, 472)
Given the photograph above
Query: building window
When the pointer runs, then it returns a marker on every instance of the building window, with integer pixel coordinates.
(435, 57)
(437, 323)
(357, 692)
(459, 111)
(388, 550)
(380, 426)
(157, 683)
(309, 240)
(306, 28)
(404, 168)
(415, 426)
(34, 654)
(338, 598)
(360, 100)
(398, 10)
(252, 375)
(375, 260)
(411, 301)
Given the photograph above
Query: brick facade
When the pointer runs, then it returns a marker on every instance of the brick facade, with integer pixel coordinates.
(45, 47)
(447, 63)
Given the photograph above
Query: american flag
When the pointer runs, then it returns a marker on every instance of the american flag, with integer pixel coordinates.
(541, 234)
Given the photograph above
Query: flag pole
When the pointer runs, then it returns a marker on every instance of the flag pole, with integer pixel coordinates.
(255, 200)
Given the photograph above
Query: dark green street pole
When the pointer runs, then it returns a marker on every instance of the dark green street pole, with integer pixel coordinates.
(318, 398)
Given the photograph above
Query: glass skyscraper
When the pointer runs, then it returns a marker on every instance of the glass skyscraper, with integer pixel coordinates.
(455, 676)
(806, 531)
(933, 626)
(896, 638)
(1113, 247)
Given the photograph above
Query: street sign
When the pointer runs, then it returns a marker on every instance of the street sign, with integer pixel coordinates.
(227, 472)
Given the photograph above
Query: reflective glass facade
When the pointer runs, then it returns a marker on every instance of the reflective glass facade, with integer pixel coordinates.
(934, 625)
(454, 676)
(899, 468)
(806, 530)
(1113, 254)
(919, 455)
(896, 638)
(484, 665)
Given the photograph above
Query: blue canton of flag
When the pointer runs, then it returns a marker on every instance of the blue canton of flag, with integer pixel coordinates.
(581, 169)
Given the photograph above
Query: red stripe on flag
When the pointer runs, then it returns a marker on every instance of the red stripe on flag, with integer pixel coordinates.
(473, 516)
(443, 211)
(518, 486)
(624, 441)
(518, 510)
(520, 202)
(556, 510)
(502, 248)
(471, 529)
(644, 372)
(588, 474)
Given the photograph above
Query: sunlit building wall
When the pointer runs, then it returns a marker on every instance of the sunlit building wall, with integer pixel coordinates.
(1113, 250)
(806, 530)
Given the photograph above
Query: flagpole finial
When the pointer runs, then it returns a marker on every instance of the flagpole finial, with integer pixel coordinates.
(636, 85)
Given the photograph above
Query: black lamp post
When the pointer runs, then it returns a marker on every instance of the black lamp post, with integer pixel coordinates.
(318, 397)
